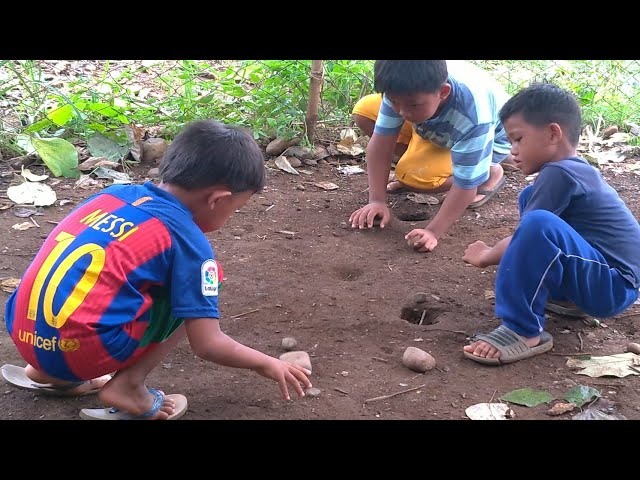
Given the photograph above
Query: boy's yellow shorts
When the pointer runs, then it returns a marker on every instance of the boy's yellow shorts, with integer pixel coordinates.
(424, 165)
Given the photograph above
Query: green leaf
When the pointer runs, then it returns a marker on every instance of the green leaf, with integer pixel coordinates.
(39, 126)
(101, 146)
(24, 142)
(97, 127)
(580, 394)
(60, 156)
(104, 109)
(61, 115)
(237, 92)
(206, 98)
(527, 397)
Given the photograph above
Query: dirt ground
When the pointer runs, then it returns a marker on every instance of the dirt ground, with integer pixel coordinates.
(340, 293)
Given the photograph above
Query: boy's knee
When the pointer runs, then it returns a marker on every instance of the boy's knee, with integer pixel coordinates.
(363, 123)
(539, 222)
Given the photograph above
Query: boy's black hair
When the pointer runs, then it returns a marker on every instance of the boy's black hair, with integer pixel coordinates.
(409, 76)
(207, 153)
(543, 103)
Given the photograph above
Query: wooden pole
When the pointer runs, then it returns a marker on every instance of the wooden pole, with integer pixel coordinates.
(315, 89)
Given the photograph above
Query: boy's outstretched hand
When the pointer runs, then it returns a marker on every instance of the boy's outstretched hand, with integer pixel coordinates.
(363, 217)
(421, 240)
(475, 254)
(283, 373)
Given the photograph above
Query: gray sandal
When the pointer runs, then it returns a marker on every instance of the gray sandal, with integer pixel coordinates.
(567, 311)
(510, 345)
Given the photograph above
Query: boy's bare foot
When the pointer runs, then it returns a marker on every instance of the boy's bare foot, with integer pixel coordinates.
(93, 384)
(485, 350)
(134, 399)
(396, 185)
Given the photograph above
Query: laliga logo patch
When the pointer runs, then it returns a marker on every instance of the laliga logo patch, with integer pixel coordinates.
(209, 271)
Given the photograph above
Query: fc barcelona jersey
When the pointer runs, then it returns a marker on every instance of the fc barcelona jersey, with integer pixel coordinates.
(88, 292)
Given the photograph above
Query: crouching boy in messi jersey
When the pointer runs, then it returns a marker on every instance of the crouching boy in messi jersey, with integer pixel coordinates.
(123, 278)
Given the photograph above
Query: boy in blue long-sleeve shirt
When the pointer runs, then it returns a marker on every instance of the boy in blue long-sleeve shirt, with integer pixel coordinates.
(576, 241)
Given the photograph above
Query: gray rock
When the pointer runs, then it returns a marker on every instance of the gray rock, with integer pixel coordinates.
(299, 358)
(289, 343)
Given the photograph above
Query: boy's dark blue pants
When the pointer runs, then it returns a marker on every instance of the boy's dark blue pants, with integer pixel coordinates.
(548, 259)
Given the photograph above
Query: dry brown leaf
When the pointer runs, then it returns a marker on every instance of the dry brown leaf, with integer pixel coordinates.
(560, 408)
(9, 285)
(135, 135)
(327, 185)
(489, 411)
(94, 162)
(283, 164)
(23, 226)
(422, 198)
(619, 365)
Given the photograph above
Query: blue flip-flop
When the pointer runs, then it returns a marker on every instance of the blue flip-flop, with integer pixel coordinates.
(116, 414)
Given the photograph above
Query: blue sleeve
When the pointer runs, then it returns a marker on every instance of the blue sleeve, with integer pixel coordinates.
(388, 121)
(471, 156)
(553, 191)
(194, 277)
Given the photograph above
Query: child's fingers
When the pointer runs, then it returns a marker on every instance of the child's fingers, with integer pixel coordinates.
(358, 219)
(429, 245)
(302, 375)
(295, 383)
(283, 388)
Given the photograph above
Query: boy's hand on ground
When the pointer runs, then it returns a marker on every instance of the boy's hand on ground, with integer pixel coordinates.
(421, 240)
(286, 373)
(363, 217)
(475, 254)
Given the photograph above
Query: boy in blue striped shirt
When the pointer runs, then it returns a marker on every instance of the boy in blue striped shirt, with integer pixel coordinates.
(456, 142)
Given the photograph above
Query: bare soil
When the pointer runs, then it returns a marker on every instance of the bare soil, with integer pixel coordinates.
(340, 293)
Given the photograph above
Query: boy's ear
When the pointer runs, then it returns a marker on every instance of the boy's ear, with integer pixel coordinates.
(445, 90)
(555, 133)
(217, 194)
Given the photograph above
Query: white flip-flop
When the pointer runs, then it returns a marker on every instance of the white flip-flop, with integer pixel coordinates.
(16, 376)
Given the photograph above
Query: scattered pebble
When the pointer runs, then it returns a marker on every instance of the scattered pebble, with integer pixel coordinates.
(312, 392)
(289, 343)
(418, 360)
(634, 347)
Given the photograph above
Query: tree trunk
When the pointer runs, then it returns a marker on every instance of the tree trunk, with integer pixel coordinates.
(315, 88)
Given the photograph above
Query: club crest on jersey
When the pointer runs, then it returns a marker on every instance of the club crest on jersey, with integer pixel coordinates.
(209, 273)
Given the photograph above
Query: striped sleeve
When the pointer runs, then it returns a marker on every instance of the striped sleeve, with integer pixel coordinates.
(388, 121)
(471, 157)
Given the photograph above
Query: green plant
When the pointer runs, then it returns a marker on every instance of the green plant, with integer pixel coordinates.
(267, 96)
